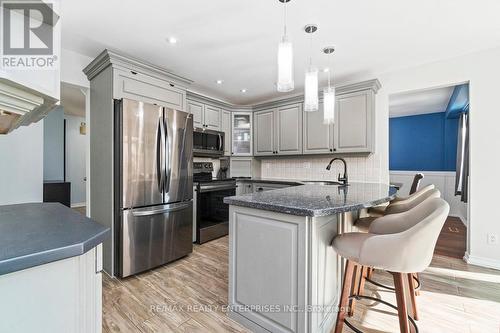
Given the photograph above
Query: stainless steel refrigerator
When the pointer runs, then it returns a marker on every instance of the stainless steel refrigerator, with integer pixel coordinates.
(154, 164)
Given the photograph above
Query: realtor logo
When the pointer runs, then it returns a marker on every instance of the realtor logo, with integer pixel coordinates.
(27, 34)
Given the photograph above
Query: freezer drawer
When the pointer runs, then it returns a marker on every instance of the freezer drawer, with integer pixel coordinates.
(156, 235)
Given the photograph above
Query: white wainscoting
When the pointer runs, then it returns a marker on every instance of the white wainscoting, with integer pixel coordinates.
(443, 180)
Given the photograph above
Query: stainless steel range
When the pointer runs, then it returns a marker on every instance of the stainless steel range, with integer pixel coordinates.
(212, 214)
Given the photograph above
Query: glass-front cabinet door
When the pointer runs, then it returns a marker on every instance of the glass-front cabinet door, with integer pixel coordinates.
(242, 133)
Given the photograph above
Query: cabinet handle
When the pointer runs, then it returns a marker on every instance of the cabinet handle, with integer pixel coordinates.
(331, 149)
(334, 149)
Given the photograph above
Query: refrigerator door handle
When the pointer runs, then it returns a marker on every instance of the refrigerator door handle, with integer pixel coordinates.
(166, 187)
(163, 209)
(159, 157)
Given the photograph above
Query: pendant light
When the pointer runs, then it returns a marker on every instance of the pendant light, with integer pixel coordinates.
(285, 58)
(329, 93)
(311, 99)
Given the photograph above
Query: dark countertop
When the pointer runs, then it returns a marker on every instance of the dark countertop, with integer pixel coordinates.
(293, 182)
(317, 200)
(38, 233)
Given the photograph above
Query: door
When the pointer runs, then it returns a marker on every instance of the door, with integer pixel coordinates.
(178, 156)
(289, 130)
(226, 128)
(318, 137)
(153, 236)
(196, 109)
(353, 124)
(264, 132)
(141, 128)
(212, 118)
(242, 134)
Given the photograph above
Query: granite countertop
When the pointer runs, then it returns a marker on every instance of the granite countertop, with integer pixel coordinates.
(38, 233)
(317, 200)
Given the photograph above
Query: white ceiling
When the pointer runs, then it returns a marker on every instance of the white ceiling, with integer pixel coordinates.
(419, 102)
(72, 100)
(236, 40)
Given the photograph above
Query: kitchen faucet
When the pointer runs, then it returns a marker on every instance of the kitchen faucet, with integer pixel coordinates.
(343, 179)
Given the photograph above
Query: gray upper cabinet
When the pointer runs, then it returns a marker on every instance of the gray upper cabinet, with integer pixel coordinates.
(226, 128)
(317, 136)
(205, 116)
(212, 117)
(142, 87)
(264, 132)
(289, 130)
(278, 131)
(196, 109)
(354, 122)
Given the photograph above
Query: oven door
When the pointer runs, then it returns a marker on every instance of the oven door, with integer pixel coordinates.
(212, 214)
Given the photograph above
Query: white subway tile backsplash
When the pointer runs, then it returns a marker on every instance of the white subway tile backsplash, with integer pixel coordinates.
(360, 169)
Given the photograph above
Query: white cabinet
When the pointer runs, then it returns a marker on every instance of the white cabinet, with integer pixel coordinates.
(354, 122)
(242, 134)
(205, 116)
(243, 187)
(278, 131)
(226, 128)
(59, 297)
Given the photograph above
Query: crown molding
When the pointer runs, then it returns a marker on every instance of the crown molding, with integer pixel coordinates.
(120, 60)
(201, 98)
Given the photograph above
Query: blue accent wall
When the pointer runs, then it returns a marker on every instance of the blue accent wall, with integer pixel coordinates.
(426, 142)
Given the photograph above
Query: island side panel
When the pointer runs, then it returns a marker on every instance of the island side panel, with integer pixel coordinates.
(268, 267)
(324, 274)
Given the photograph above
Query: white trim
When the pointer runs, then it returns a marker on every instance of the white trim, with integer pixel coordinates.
(77, 205)
(480, 261)
(430, 173)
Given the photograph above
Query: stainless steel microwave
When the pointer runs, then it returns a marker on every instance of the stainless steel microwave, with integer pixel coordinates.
(208, 143)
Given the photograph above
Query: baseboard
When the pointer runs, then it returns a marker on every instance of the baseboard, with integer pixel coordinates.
(77, 205)
(479, 261)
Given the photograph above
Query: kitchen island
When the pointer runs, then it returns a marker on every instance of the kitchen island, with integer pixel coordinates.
(50, 269)
(283, 274)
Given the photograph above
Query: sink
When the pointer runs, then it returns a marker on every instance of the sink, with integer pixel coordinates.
(320, 182)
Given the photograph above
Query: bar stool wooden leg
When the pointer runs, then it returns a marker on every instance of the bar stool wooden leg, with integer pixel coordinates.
(412, 294)
(355, 288)
(344, 296)
(415, 283)
(404, 326)
(364, 274)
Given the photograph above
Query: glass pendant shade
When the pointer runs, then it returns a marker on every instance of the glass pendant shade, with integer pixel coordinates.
(311, 99)
(285, 66)
(329, 105)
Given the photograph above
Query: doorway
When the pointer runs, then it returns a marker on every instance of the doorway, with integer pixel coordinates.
(65, 145)
(428, 134)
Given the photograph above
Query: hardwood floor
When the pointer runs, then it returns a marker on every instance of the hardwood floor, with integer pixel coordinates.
(188, 296)
(452, 241)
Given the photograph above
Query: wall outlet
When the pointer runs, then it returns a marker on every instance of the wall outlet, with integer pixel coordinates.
(492, 239)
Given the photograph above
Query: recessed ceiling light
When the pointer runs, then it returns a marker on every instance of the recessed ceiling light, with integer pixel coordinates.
(243, 90)
(219, 81)
(172, 40)
(326, 70)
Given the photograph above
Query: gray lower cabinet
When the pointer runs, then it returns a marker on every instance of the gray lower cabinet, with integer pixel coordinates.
(226, 128)
(354, 122)
(278, 131)
(261, 187)
(205, 116)
(243, 187)
(317, 136)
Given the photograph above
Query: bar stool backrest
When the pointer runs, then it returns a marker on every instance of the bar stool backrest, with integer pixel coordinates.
(416, 183)
(413, 200)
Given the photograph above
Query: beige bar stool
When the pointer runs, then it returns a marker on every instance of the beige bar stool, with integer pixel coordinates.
(364, 225)
(378, 211)
(408, 237)
(399, 205)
